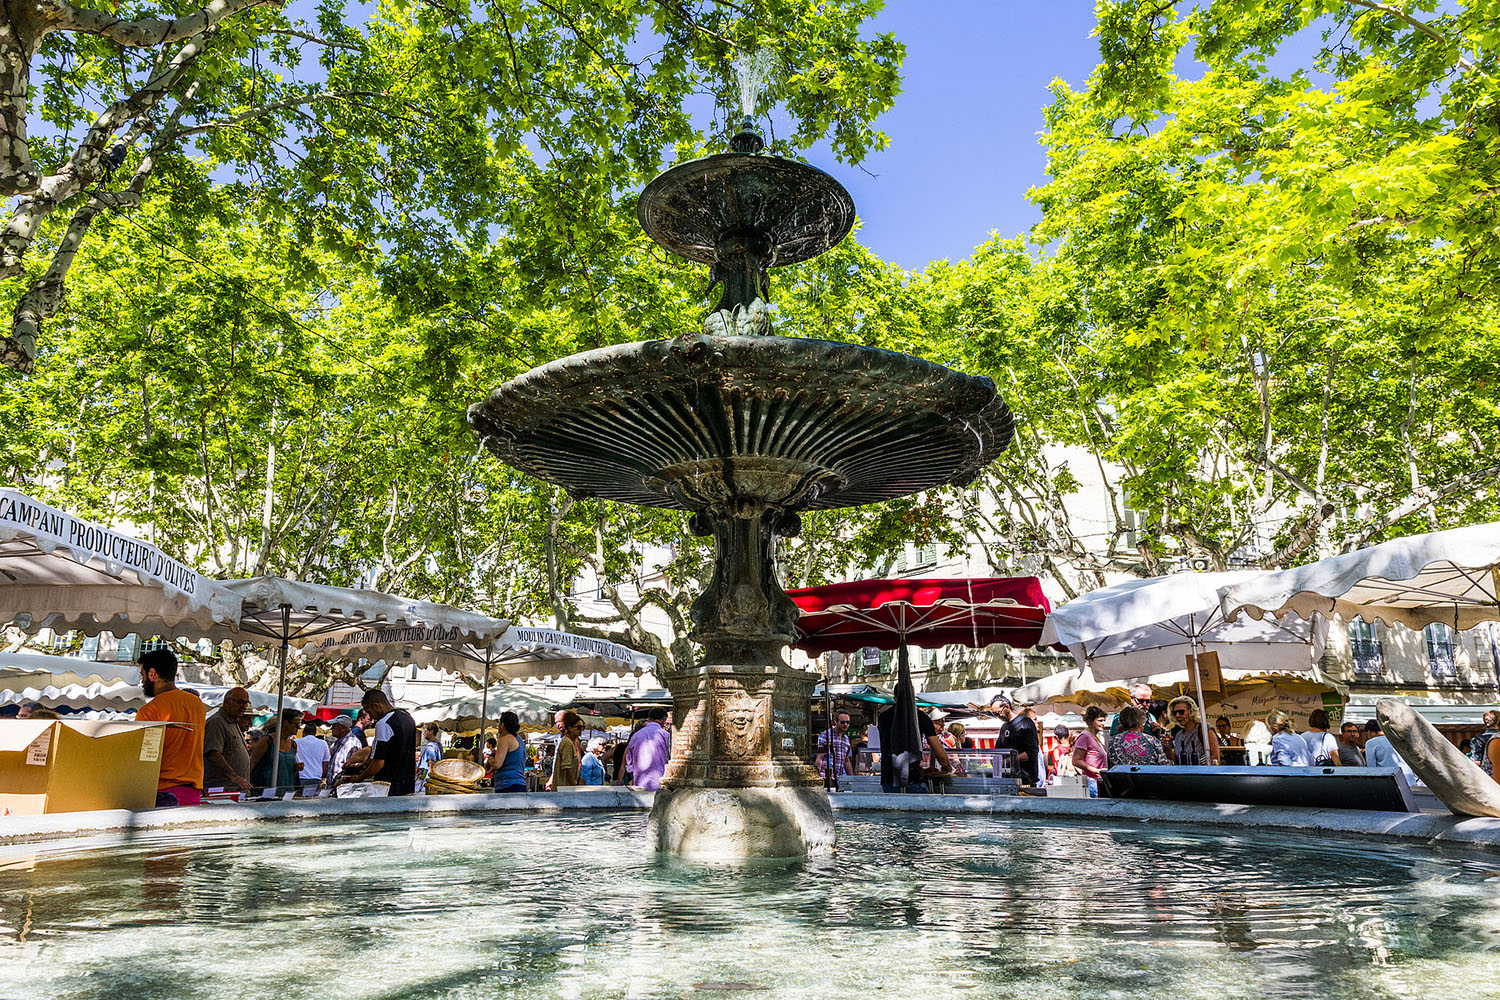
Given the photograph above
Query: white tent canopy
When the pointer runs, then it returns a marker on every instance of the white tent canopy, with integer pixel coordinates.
(469, 710)
(64, 670)
(299, 614)
(61, 572)
(1442, 577)
(517, 653)
(1143, 627)
(121, 696)
(543, 653)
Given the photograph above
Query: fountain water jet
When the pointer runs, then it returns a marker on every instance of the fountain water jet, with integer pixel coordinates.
(745, 430)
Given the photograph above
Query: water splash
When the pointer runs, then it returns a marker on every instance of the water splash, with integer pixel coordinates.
(752, 72)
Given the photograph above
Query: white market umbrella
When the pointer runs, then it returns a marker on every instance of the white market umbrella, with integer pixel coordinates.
(61, 572)
(473, 710)
(1442, 577)
(1150, 626)
(519, 653)
(291, 613)
(62, 670)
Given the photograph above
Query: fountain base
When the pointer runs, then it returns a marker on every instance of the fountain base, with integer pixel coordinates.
(739, 784)
(733, 824)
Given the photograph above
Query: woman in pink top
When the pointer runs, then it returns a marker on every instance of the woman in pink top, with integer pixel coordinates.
(1088, 749)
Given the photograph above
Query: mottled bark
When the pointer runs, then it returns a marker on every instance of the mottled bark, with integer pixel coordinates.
(18, 38)
(46, 294)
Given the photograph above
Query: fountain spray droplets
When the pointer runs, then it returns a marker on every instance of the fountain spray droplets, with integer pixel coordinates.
(752, 72)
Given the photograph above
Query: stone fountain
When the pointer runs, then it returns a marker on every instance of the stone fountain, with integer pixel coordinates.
(745, 430)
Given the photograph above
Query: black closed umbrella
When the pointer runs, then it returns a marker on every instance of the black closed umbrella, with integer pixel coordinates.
(904, 754)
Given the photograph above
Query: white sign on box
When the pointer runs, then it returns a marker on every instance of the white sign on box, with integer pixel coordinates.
(36, 753)
(151, 743)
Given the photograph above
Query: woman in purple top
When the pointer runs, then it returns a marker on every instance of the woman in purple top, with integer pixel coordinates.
(1130, 745)
(651, 746)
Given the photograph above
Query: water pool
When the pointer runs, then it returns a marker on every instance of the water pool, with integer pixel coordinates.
(910, 906)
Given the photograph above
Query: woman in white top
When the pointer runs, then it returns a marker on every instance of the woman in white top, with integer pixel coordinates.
(1287, 748)
(1322, 745)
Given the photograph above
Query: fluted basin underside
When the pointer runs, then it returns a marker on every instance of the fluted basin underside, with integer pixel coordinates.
(701, 423)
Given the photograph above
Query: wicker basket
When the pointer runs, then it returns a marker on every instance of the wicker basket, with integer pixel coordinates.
(454, 777)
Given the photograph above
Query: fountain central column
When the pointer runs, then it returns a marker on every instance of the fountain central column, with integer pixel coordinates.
(739, 783)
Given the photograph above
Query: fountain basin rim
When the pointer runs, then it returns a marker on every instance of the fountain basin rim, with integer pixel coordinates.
(20, 835)
(698, 351)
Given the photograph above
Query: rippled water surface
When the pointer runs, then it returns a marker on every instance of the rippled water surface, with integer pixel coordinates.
(917, 907)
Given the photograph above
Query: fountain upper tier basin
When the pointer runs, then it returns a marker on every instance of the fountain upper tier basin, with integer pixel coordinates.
(797, 209)
(701, 422)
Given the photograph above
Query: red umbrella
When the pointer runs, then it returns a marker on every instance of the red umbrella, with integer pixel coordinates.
(889, 614)
(894, 614)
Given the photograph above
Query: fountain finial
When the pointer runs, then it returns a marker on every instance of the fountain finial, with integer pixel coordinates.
(747, 140)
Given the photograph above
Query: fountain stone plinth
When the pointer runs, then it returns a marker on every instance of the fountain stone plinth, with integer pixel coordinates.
(746, 431)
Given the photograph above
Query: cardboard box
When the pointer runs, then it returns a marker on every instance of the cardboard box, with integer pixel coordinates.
(53, 765)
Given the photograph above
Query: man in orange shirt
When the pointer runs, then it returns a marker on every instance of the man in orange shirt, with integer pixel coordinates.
(181, 780)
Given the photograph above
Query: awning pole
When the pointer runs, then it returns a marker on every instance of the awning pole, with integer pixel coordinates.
(1202, 708)
(286, 632)
(830, 783)
(484, 709)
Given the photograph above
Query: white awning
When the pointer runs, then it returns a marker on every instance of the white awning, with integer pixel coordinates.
(61, 572)
(1150, 626)
(517, 653)
(1442, 577)
(121, 696)
(466, 711)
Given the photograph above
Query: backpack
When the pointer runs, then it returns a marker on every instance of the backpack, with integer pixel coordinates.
(1479, 748)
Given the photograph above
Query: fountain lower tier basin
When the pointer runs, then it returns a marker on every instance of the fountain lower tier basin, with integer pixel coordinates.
(738, 423)
(572, 905)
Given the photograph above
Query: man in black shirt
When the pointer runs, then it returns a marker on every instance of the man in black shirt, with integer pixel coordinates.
(394, 757)
(1026, 745)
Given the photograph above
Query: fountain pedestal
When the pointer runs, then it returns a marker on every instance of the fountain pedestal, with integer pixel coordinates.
(739, 784)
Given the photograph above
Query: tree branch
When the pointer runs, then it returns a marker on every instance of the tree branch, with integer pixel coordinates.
(1401, 15)
(59, 15)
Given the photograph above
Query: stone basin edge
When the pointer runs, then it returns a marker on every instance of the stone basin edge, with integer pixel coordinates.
(121, 826)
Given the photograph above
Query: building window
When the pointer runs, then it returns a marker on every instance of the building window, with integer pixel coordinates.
(927, 658)
(1440, 651)
(926, 556)
(1369, 657)
(125, 651)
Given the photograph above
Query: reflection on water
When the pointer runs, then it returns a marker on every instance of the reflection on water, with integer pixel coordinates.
(921, 906)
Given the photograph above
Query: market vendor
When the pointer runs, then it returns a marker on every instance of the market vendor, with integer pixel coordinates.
(181, 780)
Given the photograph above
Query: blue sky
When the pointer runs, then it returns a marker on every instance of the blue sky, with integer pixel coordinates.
(964, 131)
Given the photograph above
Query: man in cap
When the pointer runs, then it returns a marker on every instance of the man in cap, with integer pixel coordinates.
(344, 744)
(226, 759)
